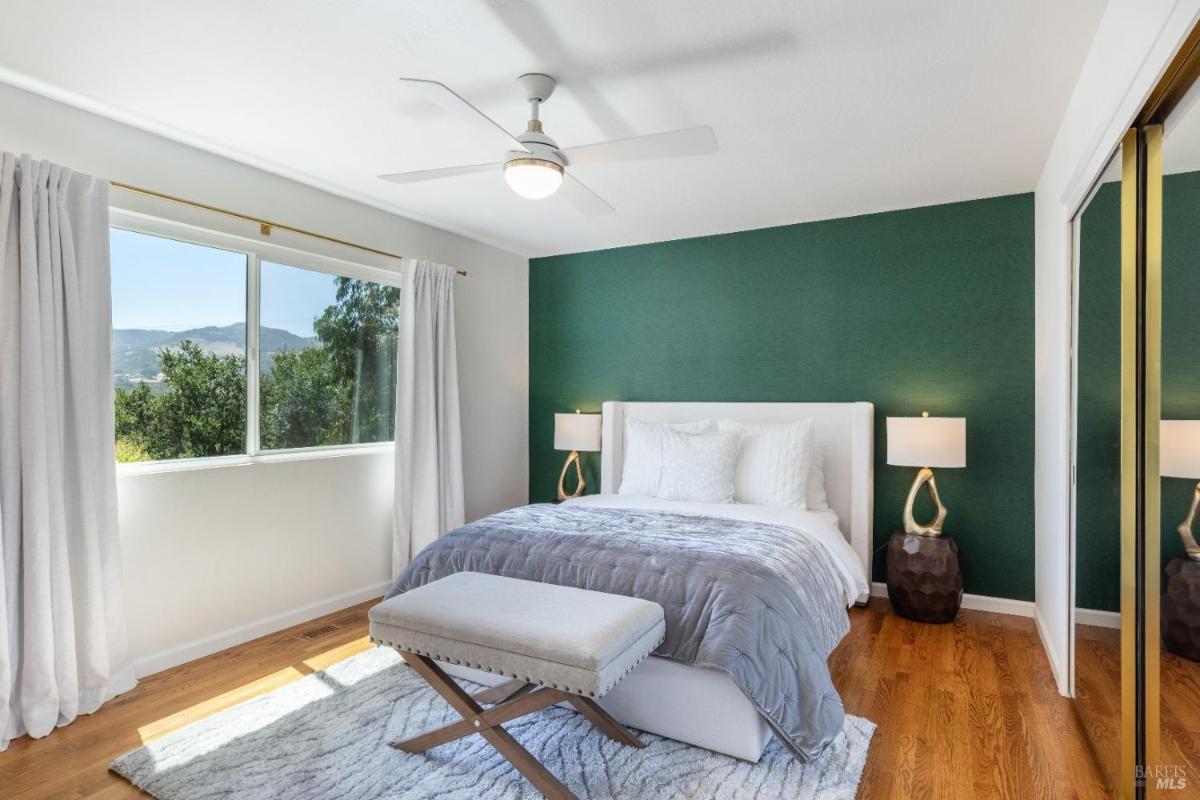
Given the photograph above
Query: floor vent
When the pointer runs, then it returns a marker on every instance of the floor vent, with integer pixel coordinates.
(318, 632)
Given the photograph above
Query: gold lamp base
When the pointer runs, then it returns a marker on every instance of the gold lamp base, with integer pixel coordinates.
(1185, 528)
(562, 476)
(934, 527)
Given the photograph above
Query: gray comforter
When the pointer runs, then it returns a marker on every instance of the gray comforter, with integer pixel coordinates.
(759, 602)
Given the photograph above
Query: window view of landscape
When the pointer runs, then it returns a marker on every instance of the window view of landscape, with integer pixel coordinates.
(339, 385)
(179, 342)
(327, 371)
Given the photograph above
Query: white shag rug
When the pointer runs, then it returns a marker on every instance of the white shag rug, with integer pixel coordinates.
(326, 737)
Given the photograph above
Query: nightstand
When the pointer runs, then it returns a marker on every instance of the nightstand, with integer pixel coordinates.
(1181, 608)
(924, 580)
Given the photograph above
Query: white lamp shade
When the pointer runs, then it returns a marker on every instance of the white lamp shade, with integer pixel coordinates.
(927, 441)
(1179, 448)
(576, 431)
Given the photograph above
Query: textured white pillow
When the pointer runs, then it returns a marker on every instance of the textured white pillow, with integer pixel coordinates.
(817, 500)
(699, 466)
(643, 452)
(775, 462)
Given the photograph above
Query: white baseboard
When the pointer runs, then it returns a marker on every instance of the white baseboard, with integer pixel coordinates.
(978, 602)
(1101, 619)
(173, 657)
(1056, 667)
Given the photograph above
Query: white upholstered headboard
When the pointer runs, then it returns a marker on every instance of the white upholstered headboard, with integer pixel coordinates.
(844, 431)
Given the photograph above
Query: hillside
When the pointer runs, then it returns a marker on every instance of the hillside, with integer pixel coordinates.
(135, 350)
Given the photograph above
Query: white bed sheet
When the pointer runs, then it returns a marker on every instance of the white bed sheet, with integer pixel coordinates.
(821, 526)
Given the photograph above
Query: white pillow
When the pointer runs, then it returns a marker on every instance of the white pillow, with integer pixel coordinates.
(775, 462)
(699, 466)
(817, 500)
(643, 452)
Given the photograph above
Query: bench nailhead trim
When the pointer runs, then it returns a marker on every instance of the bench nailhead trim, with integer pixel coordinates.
(436, 657)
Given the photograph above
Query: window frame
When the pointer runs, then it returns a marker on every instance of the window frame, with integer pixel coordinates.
(255, 252)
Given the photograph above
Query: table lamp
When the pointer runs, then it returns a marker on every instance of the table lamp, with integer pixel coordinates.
(575, 432)
(926, 442)
(1179, 457)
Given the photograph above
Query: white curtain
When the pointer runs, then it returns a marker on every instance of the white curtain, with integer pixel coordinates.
(429, 482)
(62, 620)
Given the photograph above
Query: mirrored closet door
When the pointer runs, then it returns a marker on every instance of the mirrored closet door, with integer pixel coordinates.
(1116, 517)
(1097, 556)
(1135, 655)
(1174, 666)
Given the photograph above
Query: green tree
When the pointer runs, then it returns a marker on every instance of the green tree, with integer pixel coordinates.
(201, 413)
(303, 404)
(358, 332)
(340, 391)
(134, 412)
(127, 452)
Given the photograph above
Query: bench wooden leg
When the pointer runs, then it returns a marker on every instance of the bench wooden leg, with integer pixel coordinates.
(487, 724)
(499, 693)
(604, 721)
(514, 699)
(483, 720)
(542, 779)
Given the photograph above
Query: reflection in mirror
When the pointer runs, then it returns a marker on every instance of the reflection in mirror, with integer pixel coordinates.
(1097, 553)
(1179, 667)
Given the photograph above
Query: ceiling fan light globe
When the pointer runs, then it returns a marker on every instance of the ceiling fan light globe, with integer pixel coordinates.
(533, 178)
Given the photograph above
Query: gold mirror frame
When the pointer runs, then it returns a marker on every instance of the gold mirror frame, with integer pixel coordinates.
(1141, 391)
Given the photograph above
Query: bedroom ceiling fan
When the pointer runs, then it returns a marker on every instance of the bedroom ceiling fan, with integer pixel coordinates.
(537, 167)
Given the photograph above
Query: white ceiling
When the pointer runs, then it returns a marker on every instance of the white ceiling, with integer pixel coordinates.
(823, 108)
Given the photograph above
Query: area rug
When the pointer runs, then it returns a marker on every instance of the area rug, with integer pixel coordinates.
(326, 737)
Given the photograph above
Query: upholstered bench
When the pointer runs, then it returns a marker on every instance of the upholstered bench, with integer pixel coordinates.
(574, 644)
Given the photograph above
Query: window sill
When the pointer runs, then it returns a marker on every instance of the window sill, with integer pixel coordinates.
(269, 457)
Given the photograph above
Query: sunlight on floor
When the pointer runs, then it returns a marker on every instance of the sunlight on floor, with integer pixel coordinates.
(259, 686)
(212, 705)
(206, 727)
(336, 654)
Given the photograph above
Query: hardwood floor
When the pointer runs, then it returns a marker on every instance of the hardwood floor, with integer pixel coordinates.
(1098, 692)
(965, 710)
(1098, 687)
(1179, 707)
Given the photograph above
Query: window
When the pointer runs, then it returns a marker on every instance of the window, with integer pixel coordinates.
(228, 351)
(179, 348)
(328, 370)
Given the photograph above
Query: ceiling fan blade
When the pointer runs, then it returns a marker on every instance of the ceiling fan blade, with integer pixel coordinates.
(436, 174)
(584, 199)
(513, 141)
(673, 144)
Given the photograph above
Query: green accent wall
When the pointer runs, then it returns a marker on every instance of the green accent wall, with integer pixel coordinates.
(923, 309)
(1098, 531)
(1098, 399)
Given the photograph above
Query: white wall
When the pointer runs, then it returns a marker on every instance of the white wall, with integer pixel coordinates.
(214, 557)
(221, 555)
(1133, 45)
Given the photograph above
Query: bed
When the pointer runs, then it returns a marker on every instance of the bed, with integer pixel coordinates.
(718, 683)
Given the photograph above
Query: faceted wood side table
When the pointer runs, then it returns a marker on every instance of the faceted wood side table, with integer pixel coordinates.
(1181, 608)
(923, 577)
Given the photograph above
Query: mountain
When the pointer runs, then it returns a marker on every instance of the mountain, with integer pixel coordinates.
(135, 350)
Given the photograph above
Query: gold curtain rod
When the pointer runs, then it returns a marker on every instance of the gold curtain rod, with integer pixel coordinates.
(265, 226)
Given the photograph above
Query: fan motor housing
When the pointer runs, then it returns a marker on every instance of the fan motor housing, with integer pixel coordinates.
(541, 148)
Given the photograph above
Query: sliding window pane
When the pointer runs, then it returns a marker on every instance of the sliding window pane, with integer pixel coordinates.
(179, 344)
(328, 367)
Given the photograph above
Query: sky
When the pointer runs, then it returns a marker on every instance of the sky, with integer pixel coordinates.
(167, 285)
